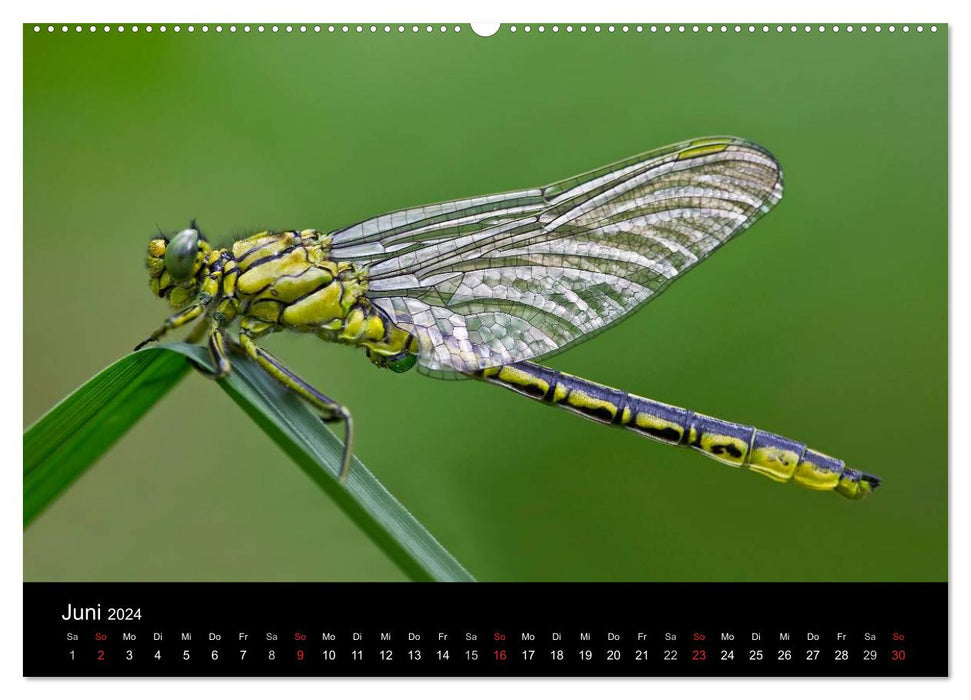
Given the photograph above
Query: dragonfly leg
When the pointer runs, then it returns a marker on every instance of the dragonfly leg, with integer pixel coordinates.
(330, 411)
(217, 352)
(174, 321)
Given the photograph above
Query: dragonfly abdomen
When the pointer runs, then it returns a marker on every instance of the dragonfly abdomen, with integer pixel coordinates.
(735, 444)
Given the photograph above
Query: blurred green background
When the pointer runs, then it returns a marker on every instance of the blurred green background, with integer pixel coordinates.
(827, 322)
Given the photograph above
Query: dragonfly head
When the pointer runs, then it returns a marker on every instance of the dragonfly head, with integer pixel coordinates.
(175, 266)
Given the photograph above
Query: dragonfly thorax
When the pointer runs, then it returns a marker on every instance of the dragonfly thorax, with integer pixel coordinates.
(287, 281)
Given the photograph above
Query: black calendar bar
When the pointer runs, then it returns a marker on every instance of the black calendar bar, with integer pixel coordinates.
(563, 629)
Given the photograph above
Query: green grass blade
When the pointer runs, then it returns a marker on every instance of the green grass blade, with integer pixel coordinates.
(72, 435)
(82, 427)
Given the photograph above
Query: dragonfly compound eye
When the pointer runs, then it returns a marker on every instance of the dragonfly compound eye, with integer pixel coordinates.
(180, 255)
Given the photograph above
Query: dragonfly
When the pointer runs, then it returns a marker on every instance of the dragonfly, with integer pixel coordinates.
(482, 287)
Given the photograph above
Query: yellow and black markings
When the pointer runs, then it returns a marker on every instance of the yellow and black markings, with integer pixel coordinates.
(734, 444)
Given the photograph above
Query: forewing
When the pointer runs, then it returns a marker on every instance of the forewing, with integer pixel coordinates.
(522, 275)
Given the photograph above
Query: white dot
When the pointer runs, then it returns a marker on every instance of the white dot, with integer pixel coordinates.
(569, 28)
(877, 29)
(822, 28)
(709, 29)
(778, 28)
(219, 28)
(457, 29)
(78, 28)
(737, 29)
(667, 28)
(920, 29)
(891, 28)
(93, 28)
(246, 29)
(751, 29)
(176, 29)
(863, 28)
(556, 28)
(625, 29)
(906, 28)
(513, 28)
(808, 28)
(527, 28)
(681, 28)
(120, 29)
(849, 28)
(303, 28)
(597, 28)
(836, 29)
(933, 28)
(484, 28)
(289, 29)
(386, 29)
(428, 28)
(205, 28)
(724, 28)
(541, 28)
(640, 28)
(261, 28)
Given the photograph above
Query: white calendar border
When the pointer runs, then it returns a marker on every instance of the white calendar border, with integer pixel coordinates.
(843, 11)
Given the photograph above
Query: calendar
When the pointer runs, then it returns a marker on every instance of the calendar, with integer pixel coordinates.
(688, 630)
(252, 250)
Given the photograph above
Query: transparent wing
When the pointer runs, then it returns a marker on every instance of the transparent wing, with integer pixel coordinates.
(492, 280)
